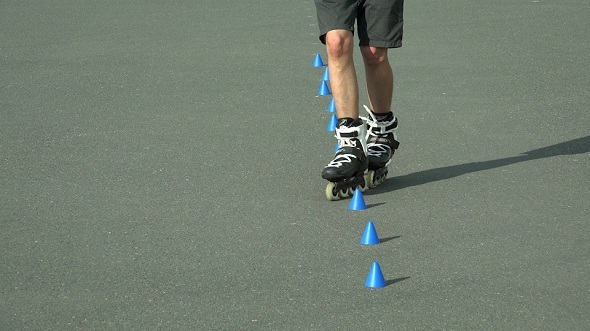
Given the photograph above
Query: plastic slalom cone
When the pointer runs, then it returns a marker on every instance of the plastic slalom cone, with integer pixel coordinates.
(326, 75)
(370, 235)
(332, 124)
(332, 106)
(317, 61)
(375, 277)
(357, 202)
(324, 89)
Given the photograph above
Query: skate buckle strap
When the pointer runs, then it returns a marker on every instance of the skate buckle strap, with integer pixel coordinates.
(383, 127)
(378, 142)
(379, 127)
(349, 136)
(345, 132)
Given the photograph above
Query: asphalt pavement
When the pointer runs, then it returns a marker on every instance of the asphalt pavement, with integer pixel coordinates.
(160, 170)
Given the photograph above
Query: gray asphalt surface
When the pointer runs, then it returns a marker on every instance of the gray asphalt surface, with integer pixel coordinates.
(160, 167)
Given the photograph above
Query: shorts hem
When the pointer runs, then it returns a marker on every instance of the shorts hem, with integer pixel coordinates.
(325, 31)
(381, 43)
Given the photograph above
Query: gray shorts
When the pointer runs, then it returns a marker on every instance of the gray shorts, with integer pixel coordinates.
(379, 22)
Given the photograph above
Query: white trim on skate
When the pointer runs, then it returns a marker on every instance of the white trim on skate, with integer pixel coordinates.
(376, 149)
(344, 135)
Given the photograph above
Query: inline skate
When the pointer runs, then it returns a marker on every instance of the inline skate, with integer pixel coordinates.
(381, 141)
(347, 170)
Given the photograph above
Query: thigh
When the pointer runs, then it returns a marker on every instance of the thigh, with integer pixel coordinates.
(336, 15)
(380, 23)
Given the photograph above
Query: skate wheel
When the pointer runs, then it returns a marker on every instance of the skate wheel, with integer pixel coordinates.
(370, 182)
(344, 193)
(364, 186)
(350, 191)
(331, 193)
(383, 177)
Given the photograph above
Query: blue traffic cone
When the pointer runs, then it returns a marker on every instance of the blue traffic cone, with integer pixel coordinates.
(332, 124)
(370, 235)
(326, 75)
(317, 62)
(332, 106)
(357, 202)
(324, 89)
(375, 277)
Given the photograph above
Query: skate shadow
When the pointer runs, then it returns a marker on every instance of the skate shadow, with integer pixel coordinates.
(395, 281)
(572, 147)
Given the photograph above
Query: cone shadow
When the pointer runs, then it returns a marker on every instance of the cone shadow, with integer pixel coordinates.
(374, 205)
(383, 240)
(395, 280)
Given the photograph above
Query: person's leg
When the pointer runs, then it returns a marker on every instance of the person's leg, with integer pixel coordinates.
(379, 77)
(380, 26)
(346, 170)
(343, 80)
(336, 20)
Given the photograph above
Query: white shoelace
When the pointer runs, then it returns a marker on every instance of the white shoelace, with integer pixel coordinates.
(351, 141)
(343, 158)
(376, 149)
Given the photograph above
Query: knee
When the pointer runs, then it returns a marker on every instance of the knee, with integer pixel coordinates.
(374, 56)
(339, 43)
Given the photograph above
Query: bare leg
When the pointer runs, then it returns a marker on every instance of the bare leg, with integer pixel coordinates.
(379, 78)
(343, 81)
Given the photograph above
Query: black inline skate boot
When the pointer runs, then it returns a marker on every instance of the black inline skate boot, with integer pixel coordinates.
(381, 145)
(347, 171)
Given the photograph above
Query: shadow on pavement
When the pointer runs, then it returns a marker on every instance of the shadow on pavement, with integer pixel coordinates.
(576, 146)
(382, 240)
(394, 281)
(374, 204)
